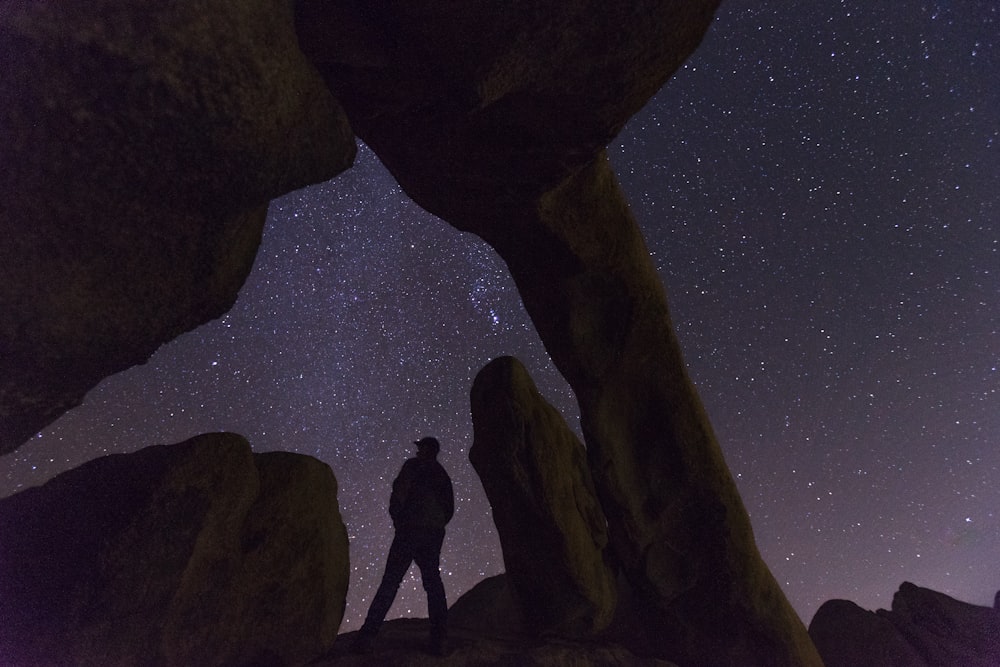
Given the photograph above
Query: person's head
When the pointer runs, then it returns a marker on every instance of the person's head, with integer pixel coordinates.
(428, 447)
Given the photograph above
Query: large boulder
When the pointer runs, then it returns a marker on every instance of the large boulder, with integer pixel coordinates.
(551, 527)
(140, 145)
(923, 628)
(197, 553)
(489, 610)
(848, 636)
(676, 522)
(478, 106)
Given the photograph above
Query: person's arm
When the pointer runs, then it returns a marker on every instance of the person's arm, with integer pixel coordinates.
(447, 497)
(400, 492)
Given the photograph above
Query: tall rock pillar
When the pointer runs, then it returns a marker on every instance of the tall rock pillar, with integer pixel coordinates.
(675, 518)
(551, 526)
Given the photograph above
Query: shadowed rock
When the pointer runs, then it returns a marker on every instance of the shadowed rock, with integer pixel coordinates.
(676, 522)
(552, 530)
(197, 553)
(675, 519)
(139, 148)
(924, 628)
(401, 641)
(488, 609)
(477, 106)
(848, 636)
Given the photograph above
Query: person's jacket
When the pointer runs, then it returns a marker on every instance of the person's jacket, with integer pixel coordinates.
(422, 496)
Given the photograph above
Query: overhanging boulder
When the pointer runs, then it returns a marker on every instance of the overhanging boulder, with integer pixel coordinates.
(140, 145)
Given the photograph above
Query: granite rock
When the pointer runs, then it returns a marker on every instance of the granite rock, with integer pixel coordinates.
(676, 523)
(923, 628)
(552, 530)
(197, 553)
(140, 146)
(482, 105)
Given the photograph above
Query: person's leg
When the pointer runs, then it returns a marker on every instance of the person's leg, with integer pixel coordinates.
(396, 564)
(428, 558)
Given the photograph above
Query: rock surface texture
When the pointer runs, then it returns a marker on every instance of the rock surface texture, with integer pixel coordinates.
(148, 140)
(924, 628)
(139, 148)
(200, 553)
(552, 530)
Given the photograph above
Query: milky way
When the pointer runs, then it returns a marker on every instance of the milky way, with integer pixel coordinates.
(819, 189)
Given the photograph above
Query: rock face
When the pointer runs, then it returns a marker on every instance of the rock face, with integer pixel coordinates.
(924, 629)
(552, 530)
(139, 148)
(481, 106)
(197, 553)
(676, 523)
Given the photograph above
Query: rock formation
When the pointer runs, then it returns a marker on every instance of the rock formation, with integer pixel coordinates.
(676, 522)
(147, 142)
(139, 148)
(479, 107)
(924, 628)
(488, 609)
(496, 123)
(552, 530)
(197, 553)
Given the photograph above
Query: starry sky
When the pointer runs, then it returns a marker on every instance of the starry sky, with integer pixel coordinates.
(820, 190)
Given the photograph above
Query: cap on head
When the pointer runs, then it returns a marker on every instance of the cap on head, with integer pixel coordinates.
(428, 444)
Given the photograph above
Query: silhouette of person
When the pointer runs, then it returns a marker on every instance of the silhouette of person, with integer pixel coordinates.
(421, 504)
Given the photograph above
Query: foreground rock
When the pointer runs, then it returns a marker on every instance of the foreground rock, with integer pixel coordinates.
(401, 644)
(200, 553)
(139, 148)
(924, 628)
(552, 530)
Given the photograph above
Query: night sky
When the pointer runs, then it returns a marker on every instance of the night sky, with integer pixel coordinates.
(820, 190)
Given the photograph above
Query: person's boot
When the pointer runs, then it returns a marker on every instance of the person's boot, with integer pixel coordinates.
(363, 643)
